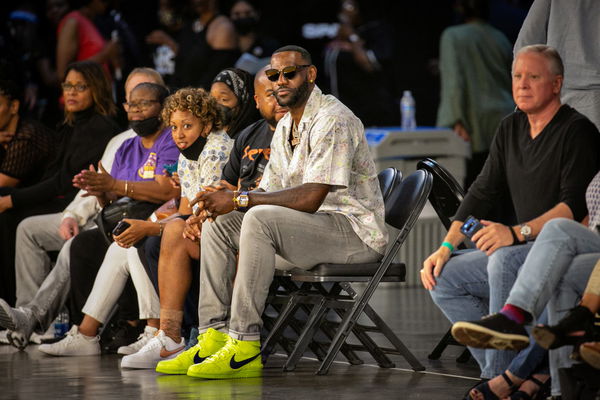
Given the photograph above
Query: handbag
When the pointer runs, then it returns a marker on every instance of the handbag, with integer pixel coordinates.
(124, 207)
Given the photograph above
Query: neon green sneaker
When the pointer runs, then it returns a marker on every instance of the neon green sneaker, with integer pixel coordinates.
(237, 359)
(208, 344)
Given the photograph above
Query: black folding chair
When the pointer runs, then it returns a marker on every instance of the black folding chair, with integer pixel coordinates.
(445, 197)
(402, 211)
(282, 287)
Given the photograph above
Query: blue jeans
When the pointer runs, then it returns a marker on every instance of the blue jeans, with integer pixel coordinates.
(557, 245)
(473, 285)
(554, 274)
(531, 360)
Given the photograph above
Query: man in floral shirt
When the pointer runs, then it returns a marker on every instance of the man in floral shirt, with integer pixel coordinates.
(318, 202)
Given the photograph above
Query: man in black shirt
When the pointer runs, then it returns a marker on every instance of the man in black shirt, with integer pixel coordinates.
(541, 160)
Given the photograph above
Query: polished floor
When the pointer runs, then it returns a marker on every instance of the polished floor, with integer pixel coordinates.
(409, 311)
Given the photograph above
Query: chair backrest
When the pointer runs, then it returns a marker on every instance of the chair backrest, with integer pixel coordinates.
(407, 199)
(389, 178)
(446, 193)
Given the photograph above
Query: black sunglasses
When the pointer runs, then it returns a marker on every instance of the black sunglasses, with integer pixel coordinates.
(288, 72)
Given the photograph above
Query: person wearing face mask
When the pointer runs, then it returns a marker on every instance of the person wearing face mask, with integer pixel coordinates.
(135, 173)
(233, 90)
(175, 269)
(199, 136)
(202, 48)
(40, 234)
(256, 48)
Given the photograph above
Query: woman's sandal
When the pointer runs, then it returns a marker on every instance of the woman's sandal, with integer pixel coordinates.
(542, 393)
(486, 391)
(578, 319)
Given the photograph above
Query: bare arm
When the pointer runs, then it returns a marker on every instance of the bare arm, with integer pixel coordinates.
(66, 47)
(561, 210)
(8, 181)
(307, 197)
(156, 191)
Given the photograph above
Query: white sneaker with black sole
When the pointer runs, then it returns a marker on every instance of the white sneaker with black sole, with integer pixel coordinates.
(74, 344)
(159, 348)
(145, 337)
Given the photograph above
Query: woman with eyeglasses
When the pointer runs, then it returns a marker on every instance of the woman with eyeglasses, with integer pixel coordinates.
(196, 129)
(87, 128)
(233, 89)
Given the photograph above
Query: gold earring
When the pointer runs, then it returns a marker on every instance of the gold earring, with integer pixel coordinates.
(311, 81)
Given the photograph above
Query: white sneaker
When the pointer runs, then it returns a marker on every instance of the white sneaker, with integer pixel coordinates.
(141, 341)
(74, 344)
(159, 348)
(4, 337)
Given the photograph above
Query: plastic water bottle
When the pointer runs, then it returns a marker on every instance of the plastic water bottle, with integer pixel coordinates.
(407, 109)
(61, 324)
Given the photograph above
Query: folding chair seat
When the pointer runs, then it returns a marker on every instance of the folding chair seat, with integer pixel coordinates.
(282, 287)
(403, 207)
(445, 198)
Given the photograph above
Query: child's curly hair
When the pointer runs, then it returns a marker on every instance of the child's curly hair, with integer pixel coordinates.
(195, 100)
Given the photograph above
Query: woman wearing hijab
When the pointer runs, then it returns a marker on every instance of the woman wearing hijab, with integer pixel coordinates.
(233, 89)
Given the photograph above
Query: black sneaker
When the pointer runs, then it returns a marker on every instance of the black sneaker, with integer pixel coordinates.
(119, 334)
(495, 331)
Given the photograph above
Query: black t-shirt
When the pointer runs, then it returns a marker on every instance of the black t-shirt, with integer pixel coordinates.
(249, 156)
(539, 173)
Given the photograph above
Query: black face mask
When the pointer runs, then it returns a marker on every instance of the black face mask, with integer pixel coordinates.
(193, 151)
(145, 127)
(227, 114)
(245, 25)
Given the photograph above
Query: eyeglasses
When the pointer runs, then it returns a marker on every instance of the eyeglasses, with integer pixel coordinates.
(141, 105)
(80, 87)
(288, 72)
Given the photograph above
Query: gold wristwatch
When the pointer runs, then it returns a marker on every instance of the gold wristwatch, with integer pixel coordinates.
(241, 201)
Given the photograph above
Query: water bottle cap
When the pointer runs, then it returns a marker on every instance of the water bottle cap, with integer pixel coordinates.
(407, 93)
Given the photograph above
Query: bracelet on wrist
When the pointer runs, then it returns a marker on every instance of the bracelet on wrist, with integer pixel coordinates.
(449, 246)
(515, 237)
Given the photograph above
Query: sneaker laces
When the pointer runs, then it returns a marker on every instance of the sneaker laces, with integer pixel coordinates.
(225, 351)
(143, 339)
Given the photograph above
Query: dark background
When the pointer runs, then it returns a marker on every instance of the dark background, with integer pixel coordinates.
(417, 26)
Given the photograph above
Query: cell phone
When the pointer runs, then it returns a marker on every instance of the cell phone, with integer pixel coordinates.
(120, 228)
(471, 226)
(170, 168)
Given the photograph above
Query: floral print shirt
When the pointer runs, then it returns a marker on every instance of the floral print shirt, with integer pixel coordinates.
(333, 150)
(209, 167)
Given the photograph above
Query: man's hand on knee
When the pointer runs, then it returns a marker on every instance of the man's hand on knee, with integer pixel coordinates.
(432, 267)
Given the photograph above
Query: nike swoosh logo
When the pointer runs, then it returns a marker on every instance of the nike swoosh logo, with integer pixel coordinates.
(164, 353)
(198, 360)
(239, 364)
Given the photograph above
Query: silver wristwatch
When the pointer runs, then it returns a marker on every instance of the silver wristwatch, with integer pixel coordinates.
(526, 232)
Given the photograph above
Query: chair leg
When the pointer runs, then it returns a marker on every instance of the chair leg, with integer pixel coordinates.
(277, 329)
(441, 346)
(393, 338)
(464, 356)
(311, 327)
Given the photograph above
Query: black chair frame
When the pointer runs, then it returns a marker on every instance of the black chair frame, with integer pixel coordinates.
(407, 199)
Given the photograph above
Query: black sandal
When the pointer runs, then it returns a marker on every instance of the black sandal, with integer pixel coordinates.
(542, 393)
(579, 318)
(484, 389)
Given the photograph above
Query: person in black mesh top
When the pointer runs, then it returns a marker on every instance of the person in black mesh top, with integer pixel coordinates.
(26, 145)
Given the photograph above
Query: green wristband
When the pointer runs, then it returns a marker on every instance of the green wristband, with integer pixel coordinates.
(448, 245)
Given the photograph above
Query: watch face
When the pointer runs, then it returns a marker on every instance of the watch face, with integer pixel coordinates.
(243, 200)
(525, 230)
